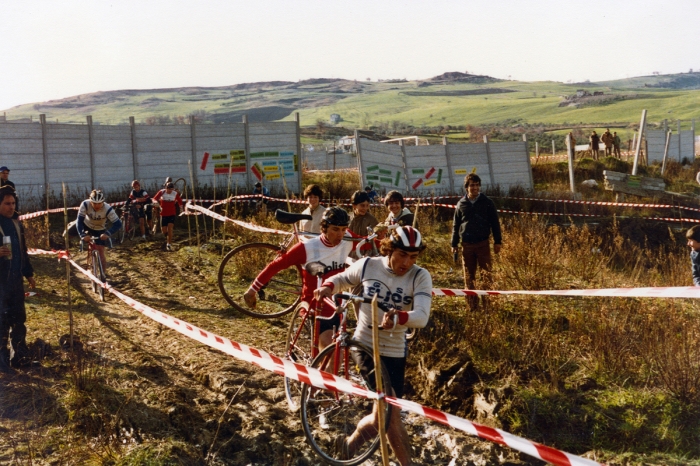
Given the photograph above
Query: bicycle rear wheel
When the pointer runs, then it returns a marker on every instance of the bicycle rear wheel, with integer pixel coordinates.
(98, 271)
(328, 416)
(239, 268)
(299, 350)
(131, 232)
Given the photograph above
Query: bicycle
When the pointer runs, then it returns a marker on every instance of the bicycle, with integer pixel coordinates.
(242, 264)
(327, 415)
(129, 224)
(94, 262)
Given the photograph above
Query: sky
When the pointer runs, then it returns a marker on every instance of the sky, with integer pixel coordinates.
(55, 49)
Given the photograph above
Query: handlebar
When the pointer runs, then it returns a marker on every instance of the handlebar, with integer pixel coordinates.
(372, 235)
(361, 299)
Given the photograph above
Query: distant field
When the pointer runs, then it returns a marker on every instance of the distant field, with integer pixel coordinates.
(362, 104)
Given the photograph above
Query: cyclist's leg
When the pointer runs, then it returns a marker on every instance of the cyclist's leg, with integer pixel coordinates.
(326, 327)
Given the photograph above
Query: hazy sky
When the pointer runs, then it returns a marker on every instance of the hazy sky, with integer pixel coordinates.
(54, 49)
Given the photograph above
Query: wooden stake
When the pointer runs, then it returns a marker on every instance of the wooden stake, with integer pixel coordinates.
(67, 239)
(196, 219)
(381, 403)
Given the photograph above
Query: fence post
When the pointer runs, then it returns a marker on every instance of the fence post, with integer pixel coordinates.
(570, 154)
(248, 161)
(193, 170)
(134, 149)
(663, 163)
(449, 165)
(488, 158)
(298, 154)
(92, 152)
(44, 148)
(403, 159)
(529, 163)
(639, 142)
(680, 153)
(554, 148)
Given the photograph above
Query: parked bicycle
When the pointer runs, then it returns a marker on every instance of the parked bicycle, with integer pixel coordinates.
(327, 415)
(130, 222)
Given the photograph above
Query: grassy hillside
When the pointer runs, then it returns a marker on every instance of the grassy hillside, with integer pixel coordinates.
(451, 99)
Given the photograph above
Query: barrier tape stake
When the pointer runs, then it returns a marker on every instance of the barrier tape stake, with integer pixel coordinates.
(196, 218)
(46, 222)
(378, 377)
(67, 240)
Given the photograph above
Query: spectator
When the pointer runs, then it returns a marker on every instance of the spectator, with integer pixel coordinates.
(14, 264)
(261, 203)
(595, 145)
(398, 212)
(373, 196)
(4, 181)
(313, 195)
(361, 217)
(607, 139)
(474, 220)
(616, 145)
(693, 235)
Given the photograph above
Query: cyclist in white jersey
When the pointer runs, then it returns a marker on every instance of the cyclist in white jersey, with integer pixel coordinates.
(92, 222)
(395, 279)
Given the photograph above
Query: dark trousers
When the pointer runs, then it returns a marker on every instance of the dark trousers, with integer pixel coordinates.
(12, 319)
(476, 254)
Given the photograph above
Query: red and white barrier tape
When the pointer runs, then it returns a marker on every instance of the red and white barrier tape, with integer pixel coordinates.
(247, 225)
(328, 381)
(649, 292)
(44, 212)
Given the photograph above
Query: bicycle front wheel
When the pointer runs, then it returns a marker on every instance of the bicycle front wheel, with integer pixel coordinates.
(239, 268)
(121, 234)
(299, 349)
(331, 417)
(98, 271)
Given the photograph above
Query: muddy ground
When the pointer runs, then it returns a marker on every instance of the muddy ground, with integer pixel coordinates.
(135, 392)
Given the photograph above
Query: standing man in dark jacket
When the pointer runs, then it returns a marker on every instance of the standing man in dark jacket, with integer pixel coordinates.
(5, 181)
(14, 265)
(474, 221)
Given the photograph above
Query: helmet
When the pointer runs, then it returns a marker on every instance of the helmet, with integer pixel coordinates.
(335, 216)
(408, 239)
(97, 196)
(258, 185)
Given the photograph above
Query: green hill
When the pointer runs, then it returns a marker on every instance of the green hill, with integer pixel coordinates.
(449, 99)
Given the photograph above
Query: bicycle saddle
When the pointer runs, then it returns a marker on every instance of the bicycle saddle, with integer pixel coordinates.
(290, 217)
(315, 268)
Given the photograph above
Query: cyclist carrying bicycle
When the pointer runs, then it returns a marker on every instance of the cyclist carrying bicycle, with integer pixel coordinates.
(329, 249)
(395, 279)
(92, 220)
(142, 206)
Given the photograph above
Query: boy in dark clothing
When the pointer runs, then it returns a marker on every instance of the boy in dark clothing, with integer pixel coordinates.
(14, 264)
(693, 236)
(474, 220)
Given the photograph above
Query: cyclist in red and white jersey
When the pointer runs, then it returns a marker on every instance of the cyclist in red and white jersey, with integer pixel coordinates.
(329, 249)
(92, 222)
(167, 198)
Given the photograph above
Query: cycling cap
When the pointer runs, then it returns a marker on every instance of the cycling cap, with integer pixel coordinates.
(336, 216)
(97, 197)
(408, 239)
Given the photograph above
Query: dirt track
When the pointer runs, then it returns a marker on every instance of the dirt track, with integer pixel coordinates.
(156, 389)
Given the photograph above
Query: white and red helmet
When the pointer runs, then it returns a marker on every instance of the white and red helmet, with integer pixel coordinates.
(408, 239)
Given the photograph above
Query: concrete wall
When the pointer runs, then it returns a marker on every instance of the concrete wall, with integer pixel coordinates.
(320, 157)
(680, 146)
(440, 169)
(110, 157)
